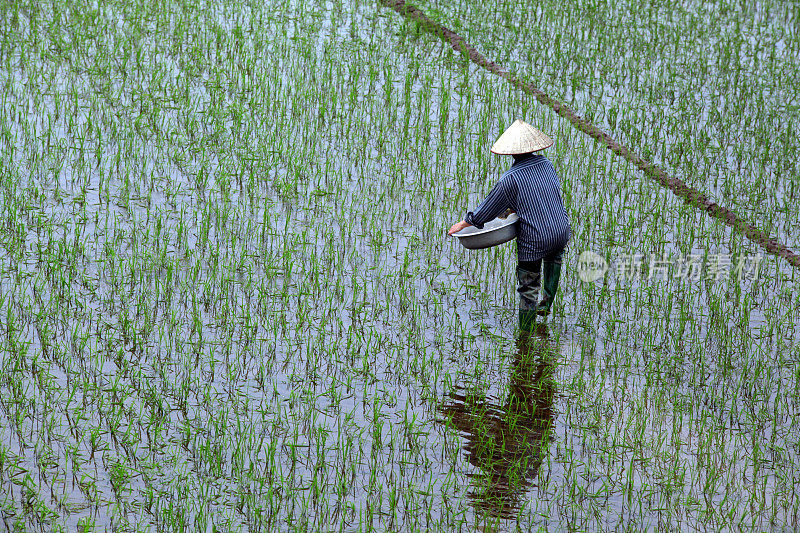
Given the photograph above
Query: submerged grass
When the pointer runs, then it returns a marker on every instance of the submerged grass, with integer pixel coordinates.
(228, 301)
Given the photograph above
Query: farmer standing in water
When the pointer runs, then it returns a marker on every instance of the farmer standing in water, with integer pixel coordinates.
(531, 189)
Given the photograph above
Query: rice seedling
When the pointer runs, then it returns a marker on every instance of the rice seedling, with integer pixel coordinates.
(227, 300)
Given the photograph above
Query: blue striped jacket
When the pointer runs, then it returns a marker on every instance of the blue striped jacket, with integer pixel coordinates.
(531, 189)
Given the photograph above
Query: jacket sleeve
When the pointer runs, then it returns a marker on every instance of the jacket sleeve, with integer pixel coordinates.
(495, 204)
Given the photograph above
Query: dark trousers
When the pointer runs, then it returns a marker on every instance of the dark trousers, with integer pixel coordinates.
(529, 276)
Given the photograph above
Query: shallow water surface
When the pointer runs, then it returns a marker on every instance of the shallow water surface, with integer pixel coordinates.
(228, 298)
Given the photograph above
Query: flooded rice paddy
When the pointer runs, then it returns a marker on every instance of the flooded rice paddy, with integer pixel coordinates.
(227, 298)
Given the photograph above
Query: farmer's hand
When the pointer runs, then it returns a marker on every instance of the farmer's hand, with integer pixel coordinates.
(458, 226)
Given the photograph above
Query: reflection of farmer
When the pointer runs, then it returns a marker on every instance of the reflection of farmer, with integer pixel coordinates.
(531, 189)
(508, 442)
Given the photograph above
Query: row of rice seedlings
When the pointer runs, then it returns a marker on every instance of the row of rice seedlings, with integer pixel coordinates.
(252, 309)
(700, 330)
(122, 276)
(700, 91)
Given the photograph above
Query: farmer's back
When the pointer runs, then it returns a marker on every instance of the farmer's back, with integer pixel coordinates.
(533, 191)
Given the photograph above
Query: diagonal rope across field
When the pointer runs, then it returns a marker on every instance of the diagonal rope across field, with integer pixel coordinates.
(690, 194)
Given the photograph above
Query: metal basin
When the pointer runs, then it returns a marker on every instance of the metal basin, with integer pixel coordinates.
(494, 232)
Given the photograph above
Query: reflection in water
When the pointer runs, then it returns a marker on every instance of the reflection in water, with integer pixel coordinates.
(507, 443)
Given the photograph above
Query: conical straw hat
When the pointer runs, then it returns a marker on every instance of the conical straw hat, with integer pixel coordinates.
(521, 138)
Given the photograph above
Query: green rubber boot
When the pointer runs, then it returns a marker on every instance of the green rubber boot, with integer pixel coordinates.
(551, 274)
(529, 290)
